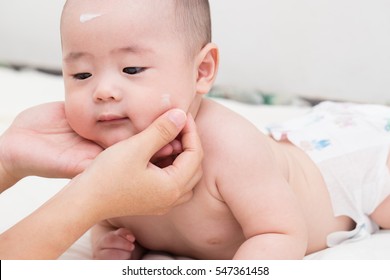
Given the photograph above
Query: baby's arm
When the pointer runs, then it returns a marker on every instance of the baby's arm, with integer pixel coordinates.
(262, 201)
(110, 243)
(272, 223)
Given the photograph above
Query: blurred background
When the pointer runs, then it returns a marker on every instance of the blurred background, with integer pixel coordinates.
(322, 49)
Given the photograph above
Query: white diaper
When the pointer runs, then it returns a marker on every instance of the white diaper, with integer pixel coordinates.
(350, 144)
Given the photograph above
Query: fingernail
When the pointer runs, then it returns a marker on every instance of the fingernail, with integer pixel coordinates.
(177, 116)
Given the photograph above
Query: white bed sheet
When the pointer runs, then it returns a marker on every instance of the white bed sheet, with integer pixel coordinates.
(20, 90)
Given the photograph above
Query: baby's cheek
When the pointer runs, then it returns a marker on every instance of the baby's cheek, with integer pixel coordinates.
(81, 124)
(143, 119)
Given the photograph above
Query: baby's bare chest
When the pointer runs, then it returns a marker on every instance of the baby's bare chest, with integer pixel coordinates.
(204, 227)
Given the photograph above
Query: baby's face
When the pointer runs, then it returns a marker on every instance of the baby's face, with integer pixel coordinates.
(123, 67)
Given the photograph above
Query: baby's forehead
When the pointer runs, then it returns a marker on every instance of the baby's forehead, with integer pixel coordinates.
(146, 7)
(117, 28)
(149, 16)
(135, 12)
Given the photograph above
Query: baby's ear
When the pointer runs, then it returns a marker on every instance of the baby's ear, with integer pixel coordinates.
(207, 64)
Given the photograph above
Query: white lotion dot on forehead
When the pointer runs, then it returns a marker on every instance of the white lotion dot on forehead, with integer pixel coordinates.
(88, 17)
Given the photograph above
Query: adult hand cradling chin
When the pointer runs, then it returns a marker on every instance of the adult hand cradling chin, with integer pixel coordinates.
(120, 181)
(40, 142)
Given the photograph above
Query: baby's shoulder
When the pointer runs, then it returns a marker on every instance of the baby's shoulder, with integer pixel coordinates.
(228, 137)
(220, 127)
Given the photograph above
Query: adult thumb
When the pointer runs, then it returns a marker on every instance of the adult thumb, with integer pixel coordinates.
(162, 131)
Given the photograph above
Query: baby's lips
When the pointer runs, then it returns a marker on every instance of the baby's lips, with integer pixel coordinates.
(107, 117)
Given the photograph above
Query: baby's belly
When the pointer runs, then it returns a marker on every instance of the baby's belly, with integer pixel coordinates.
(308, 184)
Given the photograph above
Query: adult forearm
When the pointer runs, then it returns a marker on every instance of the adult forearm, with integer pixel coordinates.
(51, 229)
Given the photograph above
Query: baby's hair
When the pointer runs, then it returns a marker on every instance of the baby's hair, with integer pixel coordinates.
(193, 23)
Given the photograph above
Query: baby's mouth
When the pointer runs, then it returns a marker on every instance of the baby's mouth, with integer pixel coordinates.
(111, 118)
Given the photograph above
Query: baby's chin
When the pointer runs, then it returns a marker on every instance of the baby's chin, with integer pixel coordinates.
(109, 141)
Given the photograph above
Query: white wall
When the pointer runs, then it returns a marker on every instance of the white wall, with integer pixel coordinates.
(30, 32)
(328, 48)
(321, 48)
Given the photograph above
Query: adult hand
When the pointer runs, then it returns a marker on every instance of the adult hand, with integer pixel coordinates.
(120, 181)
(40, 142)
(145, 188)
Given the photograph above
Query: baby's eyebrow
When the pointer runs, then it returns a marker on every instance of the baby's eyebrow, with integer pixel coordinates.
(136, 49)
(72, 56)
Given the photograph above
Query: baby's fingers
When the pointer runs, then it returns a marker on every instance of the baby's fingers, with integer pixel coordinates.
(126, 234)
(113, 254)
(116, 245)
(119, 239)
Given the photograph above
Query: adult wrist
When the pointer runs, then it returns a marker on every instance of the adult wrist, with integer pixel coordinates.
(78, 190)
(6, 179)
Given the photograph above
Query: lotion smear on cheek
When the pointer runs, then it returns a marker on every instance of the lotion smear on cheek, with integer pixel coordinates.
(166, 101)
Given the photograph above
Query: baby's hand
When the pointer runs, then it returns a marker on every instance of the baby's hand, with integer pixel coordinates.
(165, 156)
(115, 245)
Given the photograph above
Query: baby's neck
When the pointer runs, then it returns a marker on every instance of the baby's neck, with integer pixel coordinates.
(195, 106)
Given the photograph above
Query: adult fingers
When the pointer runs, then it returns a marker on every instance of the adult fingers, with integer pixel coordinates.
(187, 166)
(161, 132)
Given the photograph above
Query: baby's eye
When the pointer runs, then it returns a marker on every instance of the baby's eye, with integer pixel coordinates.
(133, 70)
(82, 76)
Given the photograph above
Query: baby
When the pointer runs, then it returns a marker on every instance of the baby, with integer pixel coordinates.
(125, 62)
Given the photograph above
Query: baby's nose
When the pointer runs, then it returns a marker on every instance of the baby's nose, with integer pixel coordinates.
(106, 92)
